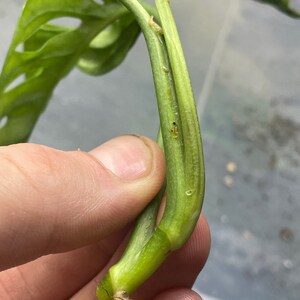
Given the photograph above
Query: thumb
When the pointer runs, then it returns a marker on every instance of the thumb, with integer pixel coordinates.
(53, 201)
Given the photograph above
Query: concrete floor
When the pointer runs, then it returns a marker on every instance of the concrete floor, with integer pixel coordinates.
(244, 62)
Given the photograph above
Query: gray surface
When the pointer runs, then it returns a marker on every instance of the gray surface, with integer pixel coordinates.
(244, 58)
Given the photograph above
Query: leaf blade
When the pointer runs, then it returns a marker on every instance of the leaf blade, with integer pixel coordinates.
(43, 67)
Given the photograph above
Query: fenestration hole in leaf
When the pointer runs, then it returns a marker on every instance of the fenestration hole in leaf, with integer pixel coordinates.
(99, 1)
(105, 38)
(3, 121)
(295, 4)
(66, 21)
(18, 81)
(20, 48)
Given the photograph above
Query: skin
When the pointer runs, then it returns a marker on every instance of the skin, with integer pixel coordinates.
(65, 217)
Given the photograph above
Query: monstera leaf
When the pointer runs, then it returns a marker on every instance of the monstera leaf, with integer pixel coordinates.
(284, 6)
(105, 52)
(41, 54)
(111, 46)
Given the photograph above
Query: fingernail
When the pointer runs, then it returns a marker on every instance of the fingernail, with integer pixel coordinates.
(128, 157)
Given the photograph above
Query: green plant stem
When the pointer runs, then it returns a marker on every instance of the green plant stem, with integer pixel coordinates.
(183, 149)
(185, 207)
(129, 273)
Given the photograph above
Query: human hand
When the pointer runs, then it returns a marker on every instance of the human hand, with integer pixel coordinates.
(64, 215)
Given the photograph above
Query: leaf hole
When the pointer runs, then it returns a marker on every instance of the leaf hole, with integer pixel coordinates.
(295, 4)
(105, 38)
(3, 121)
(16, 82)
(66, 21)
(99, 1)
(20, 48)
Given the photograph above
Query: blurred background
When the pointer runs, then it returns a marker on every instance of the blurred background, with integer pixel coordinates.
(244, 61)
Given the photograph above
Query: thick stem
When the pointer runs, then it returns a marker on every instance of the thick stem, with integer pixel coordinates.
(183, 210)
(183, 149)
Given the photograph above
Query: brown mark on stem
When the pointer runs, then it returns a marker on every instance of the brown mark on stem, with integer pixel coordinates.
(154, 25)
(174, 130)
(121, 295)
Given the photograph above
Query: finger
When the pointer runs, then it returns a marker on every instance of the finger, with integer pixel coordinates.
(53, 201)
(58, 276)
(178, 294)
(179, 270)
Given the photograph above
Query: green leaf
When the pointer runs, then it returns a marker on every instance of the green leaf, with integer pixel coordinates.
(284, 6)
(105, 52)
(49, 55)
(110, 48)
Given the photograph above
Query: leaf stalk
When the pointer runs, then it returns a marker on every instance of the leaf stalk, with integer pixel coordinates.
(184, 157)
